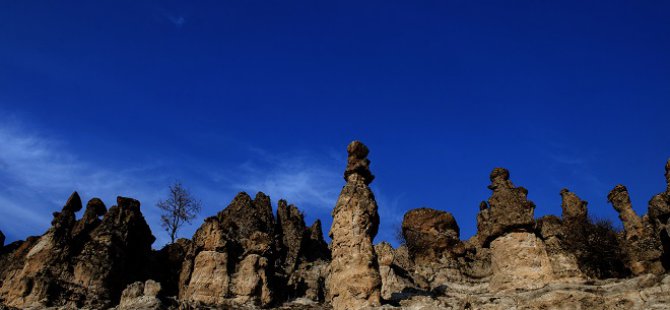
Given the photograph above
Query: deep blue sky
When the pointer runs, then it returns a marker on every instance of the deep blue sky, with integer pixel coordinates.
(123, 97)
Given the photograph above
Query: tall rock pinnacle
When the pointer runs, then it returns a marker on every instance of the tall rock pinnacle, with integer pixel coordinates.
(354, 281)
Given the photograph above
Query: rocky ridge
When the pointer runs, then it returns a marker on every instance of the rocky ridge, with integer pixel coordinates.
(249, 257)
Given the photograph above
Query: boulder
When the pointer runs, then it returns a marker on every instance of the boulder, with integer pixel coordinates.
(141, 295)
(354, 281)
(519, 261)
(428, 233)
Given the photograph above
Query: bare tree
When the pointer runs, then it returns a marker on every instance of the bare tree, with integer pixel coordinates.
(180, 208)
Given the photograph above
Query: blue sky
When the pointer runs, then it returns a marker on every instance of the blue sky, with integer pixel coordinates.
(123, 97)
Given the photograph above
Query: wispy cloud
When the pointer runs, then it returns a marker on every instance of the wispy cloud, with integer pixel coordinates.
(38, 172)
(311, 181)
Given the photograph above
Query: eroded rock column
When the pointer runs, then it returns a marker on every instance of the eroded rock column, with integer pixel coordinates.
(518, 257)
(354, 281)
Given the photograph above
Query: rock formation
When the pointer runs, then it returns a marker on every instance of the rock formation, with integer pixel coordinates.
(246, 257)
(2, 240)
(518, 257)
(354, 281)
(641, 246)
(507, 210)
(429, 233)
(564, 264)
(659, 218)
(79, 263)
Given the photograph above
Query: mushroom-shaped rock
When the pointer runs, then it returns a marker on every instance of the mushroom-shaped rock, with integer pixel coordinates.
(428, 233)
(620, 200)
(354, 281)
(358, 163)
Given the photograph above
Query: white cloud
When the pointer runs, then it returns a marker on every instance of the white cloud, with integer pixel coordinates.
(38, 173)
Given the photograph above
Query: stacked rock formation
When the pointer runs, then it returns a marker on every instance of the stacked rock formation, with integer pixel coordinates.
(79, 263)
(518, 257)
(354, 281)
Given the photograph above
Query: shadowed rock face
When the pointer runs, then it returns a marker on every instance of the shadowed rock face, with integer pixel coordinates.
(659, 218)
(2, 240)
(79, 263)
(641, 246)
(354, 281)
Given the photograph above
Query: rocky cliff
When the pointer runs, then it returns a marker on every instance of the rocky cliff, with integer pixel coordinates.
(248, 256)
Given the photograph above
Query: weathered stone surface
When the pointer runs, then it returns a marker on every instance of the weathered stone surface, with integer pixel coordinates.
(395, 279)
(508, 208)
(141, 295)
(428, 233)
(354, 281)
(519, 261)
(641, 246)
(564, 263)
(659, 218)
(230, 255)
(291, 227)
(358, 162)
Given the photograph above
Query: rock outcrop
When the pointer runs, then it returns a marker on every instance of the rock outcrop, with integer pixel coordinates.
(429, 233)
(248, 257)
(659, 218)
(507, 210)
(2, 240)
(79, 263)
(245, 256)
(641, 246)
(518, 257)
(354, 281)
